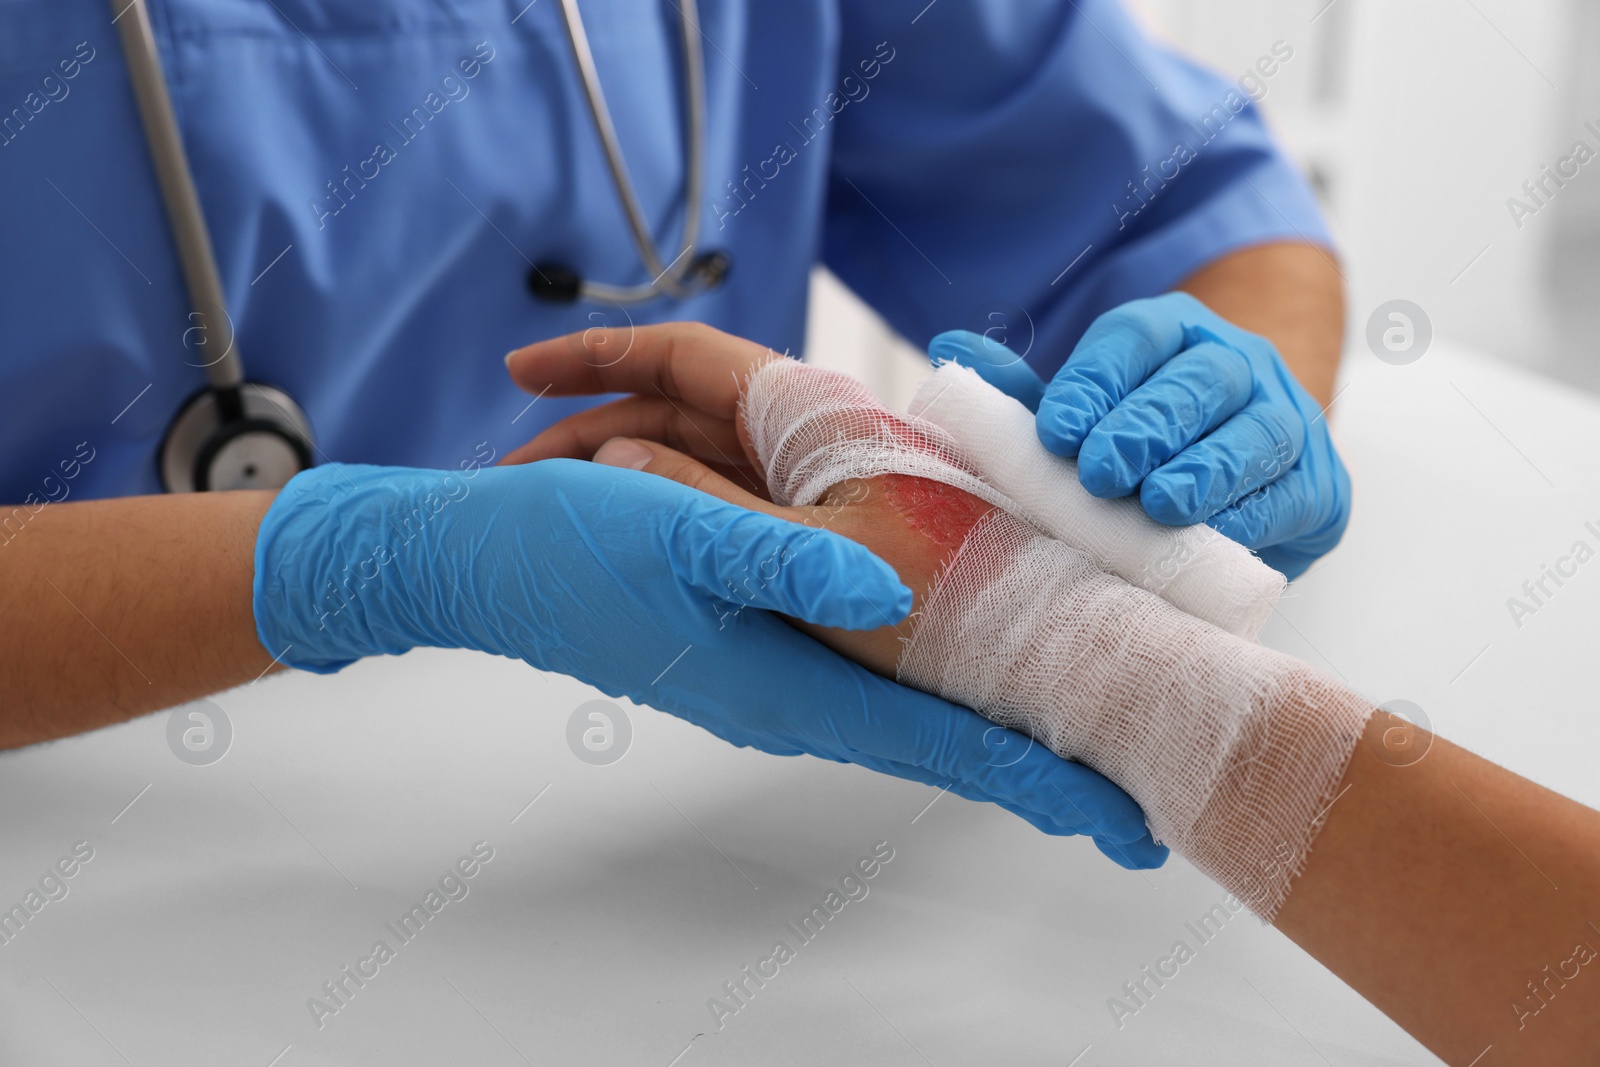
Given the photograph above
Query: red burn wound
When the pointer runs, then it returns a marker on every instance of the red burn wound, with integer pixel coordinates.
(942, 513)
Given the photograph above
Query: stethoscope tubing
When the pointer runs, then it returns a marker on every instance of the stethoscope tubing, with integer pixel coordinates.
(225, 372)
(223, 364)
(666, 278)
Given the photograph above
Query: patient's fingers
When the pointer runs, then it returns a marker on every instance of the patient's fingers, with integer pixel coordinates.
(656, 418)
(658, 459)
(687, 361)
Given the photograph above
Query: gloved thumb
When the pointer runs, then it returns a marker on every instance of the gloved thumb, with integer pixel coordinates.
(767, 560)
(994, 362)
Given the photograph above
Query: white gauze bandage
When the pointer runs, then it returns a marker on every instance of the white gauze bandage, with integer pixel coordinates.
(812, 430)
(1194, 567)
(1234, 751)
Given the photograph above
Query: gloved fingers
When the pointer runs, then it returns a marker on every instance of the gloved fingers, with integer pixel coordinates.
(1060, 820)
(1045, 823)
(1066, 820)
(1187, 398)
(1285, 522)
(686, 361)
(814, 700)
(1116, 354)
(1042, 823)
(1104, 810)
(879, 724)
(1004, 765)
(1073, 819)
(742, 738)
(1253, 449)
(732, 545)
(1141, 855)
(1272, 514)
(994, 362)
(1138, 854)
(1055, 823)
(707, 437)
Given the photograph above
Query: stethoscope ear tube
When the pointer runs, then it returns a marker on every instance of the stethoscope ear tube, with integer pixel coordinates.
(686, 274)
(184, 214)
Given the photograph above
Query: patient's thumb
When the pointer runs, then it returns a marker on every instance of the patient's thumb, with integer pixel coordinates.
(658, 459)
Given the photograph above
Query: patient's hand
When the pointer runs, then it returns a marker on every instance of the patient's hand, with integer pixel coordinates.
(682, 422)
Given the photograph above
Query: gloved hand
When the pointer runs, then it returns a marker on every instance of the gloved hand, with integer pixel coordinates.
(1165, 397)
(649, 590)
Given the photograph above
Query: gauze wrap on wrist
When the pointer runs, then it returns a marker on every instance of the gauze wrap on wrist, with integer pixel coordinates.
(1194, 567)
(813, 429)
(1234, 751)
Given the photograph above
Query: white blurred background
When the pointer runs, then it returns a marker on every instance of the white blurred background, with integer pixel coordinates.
(1416, 120)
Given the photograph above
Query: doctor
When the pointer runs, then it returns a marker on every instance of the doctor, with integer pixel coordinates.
(243, 236)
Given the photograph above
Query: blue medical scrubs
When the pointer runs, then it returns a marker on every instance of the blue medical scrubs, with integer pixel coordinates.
(378, 177)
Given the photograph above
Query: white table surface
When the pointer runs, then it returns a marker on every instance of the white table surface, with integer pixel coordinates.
(225, 895)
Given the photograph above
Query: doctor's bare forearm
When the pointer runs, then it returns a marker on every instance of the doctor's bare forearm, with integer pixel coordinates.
(111, 609)
(1290, 293)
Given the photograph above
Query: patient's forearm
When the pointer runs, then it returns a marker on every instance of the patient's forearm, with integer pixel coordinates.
(1431, 888)
(1461, 900)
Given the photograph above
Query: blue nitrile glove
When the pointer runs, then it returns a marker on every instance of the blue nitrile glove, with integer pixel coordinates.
(1166, 397)
(650, 590)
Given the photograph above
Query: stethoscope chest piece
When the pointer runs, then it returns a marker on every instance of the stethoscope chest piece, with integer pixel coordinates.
(260, 444)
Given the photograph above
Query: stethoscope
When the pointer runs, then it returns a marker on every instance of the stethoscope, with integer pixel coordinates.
(239, 434)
